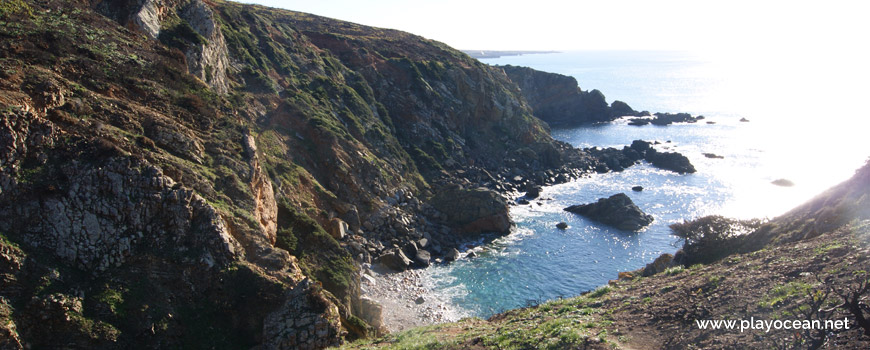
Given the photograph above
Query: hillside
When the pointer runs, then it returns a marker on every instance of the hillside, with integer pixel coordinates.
(809, 264)
(202, 173)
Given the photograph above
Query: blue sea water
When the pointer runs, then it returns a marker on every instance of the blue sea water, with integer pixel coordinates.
(539, 262)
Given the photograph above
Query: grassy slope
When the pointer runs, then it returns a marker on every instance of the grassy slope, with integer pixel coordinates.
(817, 250)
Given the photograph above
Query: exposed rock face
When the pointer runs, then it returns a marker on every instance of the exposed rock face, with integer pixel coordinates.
(473, 211)
(617, 210)
(205, 49)
(208, 60)
(557, 99)
(306, 321)
(660, 264)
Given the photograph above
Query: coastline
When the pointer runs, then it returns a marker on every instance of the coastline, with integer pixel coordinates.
(398, 292)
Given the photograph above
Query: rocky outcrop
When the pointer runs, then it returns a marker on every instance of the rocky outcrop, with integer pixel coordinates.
(558, 100)
(672, 161)
(208, 59)
(617, 160)
(307, 320)
(192, 28)
(662, 119)
(617, 210)
(472, 211)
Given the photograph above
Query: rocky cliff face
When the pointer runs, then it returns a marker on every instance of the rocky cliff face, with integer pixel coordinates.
(558, 100)
(169, 168)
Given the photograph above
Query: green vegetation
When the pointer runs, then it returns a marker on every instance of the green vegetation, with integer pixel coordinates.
(9, 8)
(782, 293)
(320, 255)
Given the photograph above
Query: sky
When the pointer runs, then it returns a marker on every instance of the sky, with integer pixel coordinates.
(695, 25)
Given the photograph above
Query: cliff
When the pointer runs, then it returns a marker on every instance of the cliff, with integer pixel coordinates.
(201, 173)
(558, 100)
(808, 265)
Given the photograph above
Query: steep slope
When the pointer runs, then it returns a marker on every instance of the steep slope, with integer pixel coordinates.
(809, 265)
(199, 174)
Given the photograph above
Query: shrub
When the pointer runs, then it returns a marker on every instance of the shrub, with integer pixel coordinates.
(710, 238)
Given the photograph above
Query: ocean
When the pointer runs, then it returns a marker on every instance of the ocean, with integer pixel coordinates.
(807, 134)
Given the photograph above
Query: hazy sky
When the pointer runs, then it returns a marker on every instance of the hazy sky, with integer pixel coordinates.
(610, 24)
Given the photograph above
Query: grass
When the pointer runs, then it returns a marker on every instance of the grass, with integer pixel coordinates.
(782, 293)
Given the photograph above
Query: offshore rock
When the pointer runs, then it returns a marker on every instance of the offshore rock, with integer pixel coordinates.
(670, 161)
(618, 211)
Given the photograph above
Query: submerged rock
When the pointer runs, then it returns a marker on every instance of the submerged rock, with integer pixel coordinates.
(618, 211)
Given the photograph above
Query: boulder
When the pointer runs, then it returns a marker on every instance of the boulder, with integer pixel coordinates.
(618, 211)
(422, 258)
(562, 225)
(533, 192)
(372, 312)
(670, 161)
(338, 228)
(452, 255)
(473, 211)
(662, 263)
(637, 188)
(395, 259)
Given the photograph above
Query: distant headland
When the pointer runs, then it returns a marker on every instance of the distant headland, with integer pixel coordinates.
(496, 54)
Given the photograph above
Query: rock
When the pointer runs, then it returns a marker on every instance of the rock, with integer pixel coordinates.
(534, 192)
(372, 312)
(713, 156)
(338, 228)
(422, 243)
(670, 161)
(662, 263)
(637, 188)
(638, 121)
(640, 146)
(422, 258)
(395, 259)
(419, 300)
(562, 225)
(626, 275)
(744, 120)
(452, 255)
(617, 211)
(523, 201)
(471, 254)
(783, 182)
(410, 249)
(558, 100)
(473, 211)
